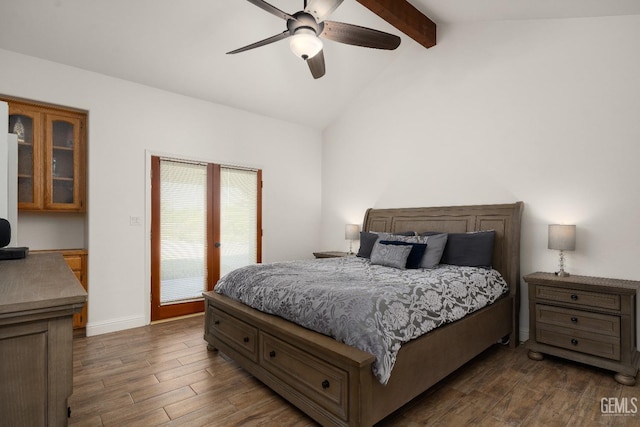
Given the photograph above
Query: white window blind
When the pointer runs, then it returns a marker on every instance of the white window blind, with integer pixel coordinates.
(183, 231)
(238, 218)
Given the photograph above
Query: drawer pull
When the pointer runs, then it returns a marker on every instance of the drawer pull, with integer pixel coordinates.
(574, 320)
(217, 322)
(272, 353)
(574, 341)
(245, 339)
(325, 384)
(574, 297)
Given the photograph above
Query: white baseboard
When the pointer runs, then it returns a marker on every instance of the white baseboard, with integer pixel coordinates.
(99, 328)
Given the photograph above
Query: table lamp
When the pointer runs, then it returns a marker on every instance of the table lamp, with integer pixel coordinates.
(351, 233)
(562, 238)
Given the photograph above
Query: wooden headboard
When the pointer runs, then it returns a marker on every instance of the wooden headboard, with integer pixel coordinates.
(504, 219)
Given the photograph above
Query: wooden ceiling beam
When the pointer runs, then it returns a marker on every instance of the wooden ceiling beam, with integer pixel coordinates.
(406, 18)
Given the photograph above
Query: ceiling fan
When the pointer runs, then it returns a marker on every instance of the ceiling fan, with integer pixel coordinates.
(308, 26)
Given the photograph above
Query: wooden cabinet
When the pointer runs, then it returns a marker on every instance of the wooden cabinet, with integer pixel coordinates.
(38, 296)
(590, 320)
(77, 261)
(51, 157)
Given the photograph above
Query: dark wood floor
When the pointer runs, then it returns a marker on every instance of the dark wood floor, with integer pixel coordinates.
(163, 375)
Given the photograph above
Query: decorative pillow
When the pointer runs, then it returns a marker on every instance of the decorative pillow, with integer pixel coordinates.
(367, 240)
(416, 254)
(473, 249)
(390, 255)
(436, 244)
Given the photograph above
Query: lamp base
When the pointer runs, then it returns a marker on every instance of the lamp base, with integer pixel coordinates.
(562, 273)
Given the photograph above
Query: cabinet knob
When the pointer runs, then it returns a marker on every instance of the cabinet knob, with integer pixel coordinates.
(325, 384)
(272, 353)
(574, 341)
(574, 297)
(245, 339)
(574, 320)
(216, 322)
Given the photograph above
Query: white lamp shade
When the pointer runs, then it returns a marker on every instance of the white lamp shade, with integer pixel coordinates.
(305, 44)
(352, 232)
(562, 237)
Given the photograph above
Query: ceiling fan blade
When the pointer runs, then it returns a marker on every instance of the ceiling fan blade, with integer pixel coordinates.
(359, 36)
(271, 9)
(266, 41)
(321, 9)
(316, 65)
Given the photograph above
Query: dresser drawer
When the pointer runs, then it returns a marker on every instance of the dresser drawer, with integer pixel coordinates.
(306, 373)
(578, 297)
(577, 319)
(577, 340)
(237, 334)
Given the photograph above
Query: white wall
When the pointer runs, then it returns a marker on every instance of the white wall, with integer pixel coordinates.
(126, 122)
(547, 112)
(52, 230)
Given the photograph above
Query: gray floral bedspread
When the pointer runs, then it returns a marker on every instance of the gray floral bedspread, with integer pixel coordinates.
(370, 307)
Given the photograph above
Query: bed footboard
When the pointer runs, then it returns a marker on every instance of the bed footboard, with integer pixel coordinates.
(329, 381)
(423, 362)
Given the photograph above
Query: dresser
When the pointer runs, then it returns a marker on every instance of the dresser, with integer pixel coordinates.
(591, 320)
(38, 297)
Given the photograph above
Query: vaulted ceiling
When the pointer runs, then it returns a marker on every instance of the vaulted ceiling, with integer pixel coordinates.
(180, 45)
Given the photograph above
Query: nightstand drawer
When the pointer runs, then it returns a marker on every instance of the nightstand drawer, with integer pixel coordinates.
(576, 340)
(577, 297)
(577, 319)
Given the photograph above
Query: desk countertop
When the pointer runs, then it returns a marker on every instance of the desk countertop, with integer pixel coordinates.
(38, 282)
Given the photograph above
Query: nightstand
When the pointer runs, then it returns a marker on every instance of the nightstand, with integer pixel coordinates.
(330, 254)
(590, 320)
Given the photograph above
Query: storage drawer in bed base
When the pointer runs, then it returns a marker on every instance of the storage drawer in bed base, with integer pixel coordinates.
(347, 370)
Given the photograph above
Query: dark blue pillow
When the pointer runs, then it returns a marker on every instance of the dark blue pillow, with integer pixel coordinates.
(473, 249)
(416, 254)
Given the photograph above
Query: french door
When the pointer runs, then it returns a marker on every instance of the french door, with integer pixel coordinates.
(206, 220)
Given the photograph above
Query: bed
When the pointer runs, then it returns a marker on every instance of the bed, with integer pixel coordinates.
(333, 382)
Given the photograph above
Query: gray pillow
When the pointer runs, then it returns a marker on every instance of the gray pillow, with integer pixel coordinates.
(435, 248)
(390, 255)
(369, 238)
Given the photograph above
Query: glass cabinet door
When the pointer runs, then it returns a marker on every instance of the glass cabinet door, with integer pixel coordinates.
(27, 126)
(62, 166)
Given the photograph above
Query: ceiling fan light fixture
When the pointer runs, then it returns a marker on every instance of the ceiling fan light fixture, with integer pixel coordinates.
(305, 43)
